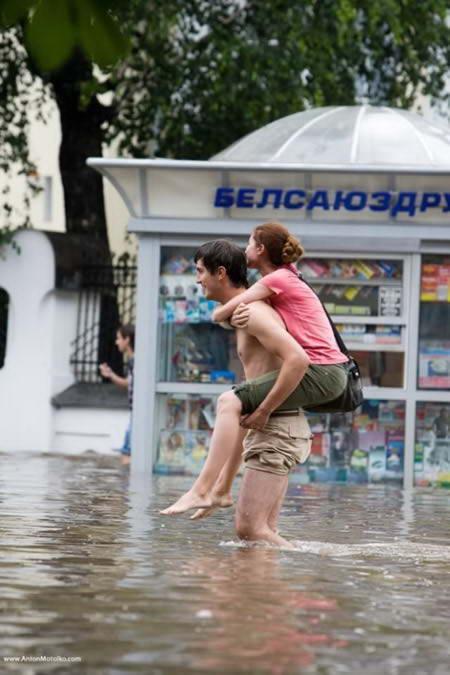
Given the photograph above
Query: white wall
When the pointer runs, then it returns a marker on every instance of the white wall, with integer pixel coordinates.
(64, 330)
(44, 140)
(42, 323)
(76, 430)
(25, 379)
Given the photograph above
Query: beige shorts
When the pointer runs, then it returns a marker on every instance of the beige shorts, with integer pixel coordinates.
(285, 442)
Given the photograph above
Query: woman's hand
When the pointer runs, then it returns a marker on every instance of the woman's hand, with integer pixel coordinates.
(240, 316)
(214, 316)
(257, 420)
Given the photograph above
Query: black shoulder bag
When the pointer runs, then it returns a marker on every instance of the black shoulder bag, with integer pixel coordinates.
(352, 396)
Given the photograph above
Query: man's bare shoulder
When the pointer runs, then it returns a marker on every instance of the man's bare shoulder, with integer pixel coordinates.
(261, 312)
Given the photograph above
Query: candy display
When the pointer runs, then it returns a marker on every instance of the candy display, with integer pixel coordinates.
(186, 311)
(370, 335)
(363, 270)
(193, 348)
(182, 452)
(329, 276)
(361, 448)
(434, 364)
(188, 421)
(366, 447)
(434, 323)
(200, 352)
(432, 448)
(178, 264)
(435, 283)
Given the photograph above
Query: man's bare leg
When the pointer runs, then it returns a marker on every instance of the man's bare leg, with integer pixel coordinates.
(226, 441)
(259, 495)
(275, 513)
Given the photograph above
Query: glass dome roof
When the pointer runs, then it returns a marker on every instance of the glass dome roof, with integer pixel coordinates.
(345, 136)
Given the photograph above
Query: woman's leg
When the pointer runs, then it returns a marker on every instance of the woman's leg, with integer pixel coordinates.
(226, 443)
(319, 384)
(221, 493)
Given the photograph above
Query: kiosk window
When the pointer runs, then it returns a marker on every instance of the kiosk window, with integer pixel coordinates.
(360, 448)
(432, 449)
(192, 347)
(381, 368)
(434, 323)
(356, 287)
(365, 447)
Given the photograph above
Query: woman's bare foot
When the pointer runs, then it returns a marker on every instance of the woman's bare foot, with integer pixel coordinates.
(218, 502)
(190, 500)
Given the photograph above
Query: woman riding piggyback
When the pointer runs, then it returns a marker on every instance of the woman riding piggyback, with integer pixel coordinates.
(273, 250)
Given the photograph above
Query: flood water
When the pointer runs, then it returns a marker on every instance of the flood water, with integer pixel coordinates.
(90, 571)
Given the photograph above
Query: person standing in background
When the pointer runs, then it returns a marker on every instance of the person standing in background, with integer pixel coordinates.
(125, 345)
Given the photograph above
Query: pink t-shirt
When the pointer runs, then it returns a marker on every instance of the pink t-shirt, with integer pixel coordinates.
(302, 312)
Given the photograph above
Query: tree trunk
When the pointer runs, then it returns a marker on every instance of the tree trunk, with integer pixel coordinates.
(82, 136)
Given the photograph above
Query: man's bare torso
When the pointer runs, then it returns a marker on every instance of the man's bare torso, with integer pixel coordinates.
(255, 359)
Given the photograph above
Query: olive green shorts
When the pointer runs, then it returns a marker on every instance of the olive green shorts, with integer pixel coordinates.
(320, 384)
(284, 442)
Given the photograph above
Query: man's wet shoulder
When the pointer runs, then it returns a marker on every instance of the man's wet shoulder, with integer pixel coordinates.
(263, 310)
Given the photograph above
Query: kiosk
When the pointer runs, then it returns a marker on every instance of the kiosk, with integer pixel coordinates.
(367, 191)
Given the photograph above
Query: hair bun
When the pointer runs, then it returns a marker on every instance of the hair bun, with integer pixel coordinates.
(292, 250)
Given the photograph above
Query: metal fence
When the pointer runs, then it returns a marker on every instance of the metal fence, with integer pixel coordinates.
(107, 299)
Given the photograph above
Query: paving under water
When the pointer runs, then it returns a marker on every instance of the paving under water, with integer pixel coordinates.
(91, 572)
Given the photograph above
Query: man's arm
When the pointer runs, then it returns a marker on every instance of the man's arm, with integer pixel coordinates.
(277, 341)
(107, 372)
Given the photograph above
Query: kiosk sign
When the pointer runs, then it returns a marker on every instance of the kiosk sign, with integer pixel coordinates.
(340, 200)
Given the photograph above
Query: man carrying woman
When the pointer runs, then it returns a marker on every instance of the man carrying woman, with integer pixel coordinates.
(290, 358)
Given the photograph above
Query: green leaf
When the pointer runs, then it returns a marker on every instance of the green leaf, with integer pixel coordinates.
(51, 33)
(11, 11)
(99, 34)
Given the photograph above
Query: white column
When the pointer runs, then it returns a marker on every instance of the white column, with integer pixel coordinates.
(145, 373)
(411, 371)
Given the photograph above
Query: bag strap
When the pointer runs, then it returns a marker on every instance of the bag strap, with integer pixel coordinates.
(338, 338)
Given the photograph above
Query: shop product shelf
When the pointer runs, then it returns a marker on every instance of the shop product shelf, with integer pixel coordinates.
(191, 388)
(367, 347)
(329, 281)
(369, 320)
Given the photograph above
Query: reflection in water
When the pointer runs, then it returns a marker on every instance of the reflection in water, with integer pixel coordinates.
(279, 620)
(89, 569)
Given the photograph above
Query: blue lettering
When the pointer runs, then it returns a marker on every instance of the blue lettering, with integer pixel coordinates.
(319, 200)
(406, 203)
(355, 201)
(382, 201)
(430, 200)
(339, 200)
(446, 208)
(267, 193)
(244, 198)
(224, 197)
(289, 196)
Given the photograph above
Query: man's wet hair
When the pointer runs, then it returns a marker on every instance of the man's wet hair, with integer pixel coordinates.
(224, 253)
